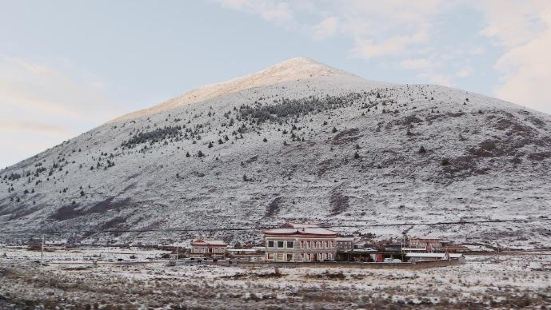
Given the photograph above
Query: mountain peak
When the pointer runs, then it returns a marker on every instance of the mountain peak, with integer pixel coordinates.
(293, 69)
(299, 60)
(297, 63)
(297, 68)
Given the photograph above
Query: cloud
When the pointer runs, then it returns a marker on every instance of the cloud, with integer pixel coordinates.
(511, 22)
(38, 100)
(36, 127)
(326, 28)
(403, 33)
(437, 78)
(464, 72)
(368, 48)
(376, 28)
(415, 63)
(272, 11)
(33, 89)
(523, 29)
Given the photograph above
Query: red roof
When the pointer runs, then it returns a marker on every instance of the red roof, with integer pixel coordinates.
(200, 242)
(306, 231)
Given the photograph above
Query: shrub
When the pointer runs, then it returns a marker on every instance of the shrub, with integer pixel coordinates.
(153, 136)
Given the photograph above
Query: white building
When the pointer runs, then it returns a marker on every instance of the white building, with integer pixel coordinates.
(300, 243)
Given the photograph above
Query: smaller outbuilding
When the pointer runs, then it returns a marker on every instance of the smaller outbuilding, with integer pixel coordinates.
(247, 254)
(426, 244)
(423, 257)
(345, 244)
(208, 248)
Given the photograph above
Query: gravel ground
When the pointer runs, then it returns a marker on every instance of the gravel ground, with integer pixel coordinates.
(508, 281)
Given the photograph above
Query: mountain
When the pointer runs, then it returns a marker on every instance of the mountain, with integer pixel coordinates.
(298, 141)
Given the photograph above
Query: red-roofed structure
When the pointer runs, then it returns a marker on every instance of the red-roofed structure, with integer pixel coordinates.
(210, 248)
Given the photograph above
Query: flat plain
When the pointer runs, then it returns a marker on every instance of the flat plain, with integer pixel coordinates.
(139, 279)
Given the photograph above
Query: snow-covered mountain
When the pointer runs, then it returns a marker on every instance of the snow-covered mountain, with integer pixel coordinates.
(298, 141)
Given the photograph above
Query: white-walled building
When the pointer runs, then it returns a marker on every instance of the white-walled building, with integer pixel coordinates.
(300, 243)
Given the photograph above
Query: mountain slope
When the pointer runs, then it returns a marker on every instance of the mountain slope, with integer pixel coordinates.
(298, 141)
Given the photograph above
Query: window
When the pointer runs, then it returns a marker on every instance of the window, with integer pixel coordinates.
(270, 256)
(270, 243)
(280, 244)
(289, 257)
(290, 244)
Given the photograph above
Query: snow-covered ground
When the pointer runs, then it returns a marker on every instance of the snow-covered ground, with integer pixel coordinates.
(296, 142)
(505, 281)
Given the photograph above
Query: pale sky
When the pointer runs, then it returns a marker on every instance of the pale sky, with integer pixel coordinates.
(67, 66)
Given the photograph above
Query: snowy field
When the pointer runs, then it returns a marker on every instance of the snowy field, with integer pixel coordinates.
(71, 281)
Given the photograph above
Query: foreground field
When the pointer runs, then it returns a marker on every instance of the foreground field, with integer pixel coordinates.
(68, 281)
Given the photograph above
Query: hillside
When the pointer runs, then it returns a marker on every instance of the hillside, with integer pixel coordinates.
(299, 141)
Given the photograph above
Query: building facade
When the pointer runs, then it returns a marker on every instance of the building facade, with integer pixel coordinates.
(429, 245)
(208, 248)
(423, 257)
(300, 243)
(345, 244)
